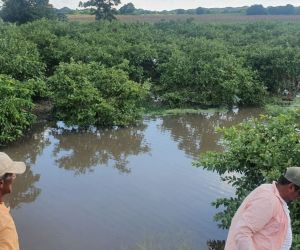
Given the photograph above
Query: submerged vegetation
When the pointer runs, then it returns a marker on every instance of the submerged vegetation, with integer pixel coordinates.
(107, 73)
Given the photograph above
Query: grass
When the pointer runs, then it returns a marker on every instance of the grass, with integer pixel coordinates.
(164, 111)
(153, 18)
(280, 106)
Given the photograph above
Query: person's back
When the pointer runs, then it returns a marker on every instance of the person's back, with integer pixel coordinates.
(260, 222)
(8, 233)
(263, 221)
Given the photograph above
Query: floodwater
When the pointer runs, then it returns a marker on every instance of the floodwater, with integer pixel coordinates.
(120, 189)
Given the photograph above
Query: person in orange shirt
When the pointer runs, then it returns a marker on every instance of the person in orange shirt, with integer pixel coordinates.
(262, 222)
(8, 170)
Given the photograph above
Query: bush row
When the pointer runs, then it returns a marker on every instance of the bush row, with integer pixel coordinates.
(102, 73)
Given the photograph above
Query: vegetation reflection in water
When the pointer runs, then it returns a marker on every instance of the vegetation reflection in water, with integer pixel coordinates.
(81, 152)
(25, 190)
(194, 137)
(97, 147)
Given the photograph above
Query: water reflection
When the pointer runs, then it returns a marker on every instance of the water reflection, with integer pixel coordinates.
(216, 244)
(30, 146)
(28, 149)
(197, 133)
(83, 151)
(165, 204)
(24, 190)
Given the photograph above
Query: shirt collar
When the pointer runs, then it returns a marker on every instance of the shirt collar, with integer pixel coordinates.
(276, 192)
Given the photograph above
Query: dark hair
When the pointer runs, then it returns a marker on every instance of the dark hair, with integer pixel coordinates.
(3, 177)
(284, 181)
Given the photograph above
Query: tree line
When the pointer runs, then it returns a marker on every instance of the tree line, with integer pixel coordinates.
(258, 9)
(22, 11)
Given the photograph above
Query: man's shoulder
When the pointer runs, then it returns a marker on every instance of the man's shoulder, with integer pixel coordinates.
(266, 187)
(264, 190)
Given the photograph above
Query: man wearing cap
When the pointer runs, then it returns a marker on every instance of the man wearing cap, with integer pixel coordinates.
(8, 170)
(262, 221)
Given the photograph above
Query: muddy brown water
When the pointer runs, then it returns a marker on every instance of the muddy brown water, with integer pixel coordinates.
(122, 188)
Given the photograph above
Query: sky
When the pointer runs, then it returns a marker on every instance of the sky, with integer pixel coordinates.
(183, 4)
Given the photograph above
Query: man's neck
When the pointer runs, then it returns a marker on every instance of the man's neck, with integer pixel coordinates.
(282, 191)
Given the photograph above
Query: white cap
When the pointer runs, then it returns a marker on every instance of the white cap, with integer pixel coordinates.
(7, 165)
(293, 175)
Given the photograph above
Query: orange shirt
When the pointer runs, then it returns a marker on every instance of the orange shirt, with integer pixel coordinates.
(8, 233)
(260, 223)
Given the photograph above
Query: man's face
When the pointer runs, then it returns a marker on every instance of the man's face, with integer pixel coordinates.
(294, 193)
(6, 183)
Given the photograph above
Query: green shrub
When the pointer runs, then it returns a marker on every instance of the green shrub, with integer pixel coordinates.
(278, 67)
(19, 57)
(90, 94)
(15, 109)
(204, 73)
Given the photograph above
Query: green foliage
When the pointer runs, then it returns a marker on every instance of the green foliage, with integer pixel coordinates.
(90, 94)
(127, 9)
(19, 57)
(256, 152)
(282, 10)
(189, 64)
(15, 109)
(201, 11)
(103, 9)
(278, 67)
(277, 10)
(256, 9)
(22, 11)
(204, 73)
(39, 89)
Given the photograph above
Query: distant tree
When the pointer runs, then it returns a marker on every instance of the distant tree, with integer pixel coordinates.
(282, 10)
(200, 11)
(103, 9)
(256, 9)
(127, 9)
(191, 11)
(180, 11)
(22, 11)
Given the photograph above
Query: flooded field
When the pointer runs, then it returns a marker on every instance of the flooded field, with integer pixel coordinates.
(122, 188)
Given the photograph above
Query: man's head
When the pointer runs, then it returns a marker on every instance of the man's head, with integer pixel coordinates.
(8, 171)
(290, 184)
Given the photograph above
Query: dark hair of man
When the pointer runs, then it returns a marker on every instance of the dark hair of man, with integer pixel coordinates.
(284, 181)
(5, 176)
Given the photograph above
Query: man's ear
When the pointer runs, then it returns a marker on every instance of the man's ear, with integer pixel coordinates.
(291, 187)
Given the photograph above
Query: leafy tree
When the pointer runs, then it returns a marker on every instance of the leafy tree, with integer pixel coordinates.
(103, 9)
(282, 10)
(256, 9)
(201, 11)
(15, 109)
(127, 9)
(278, 67)
(19, 57)
(90, 94)
(22, 11)
(204, 73)
(180, 11)
(256, 152)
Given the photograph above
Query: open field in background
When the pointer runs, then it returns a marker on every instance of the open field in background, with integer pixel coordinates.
(201, 18)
